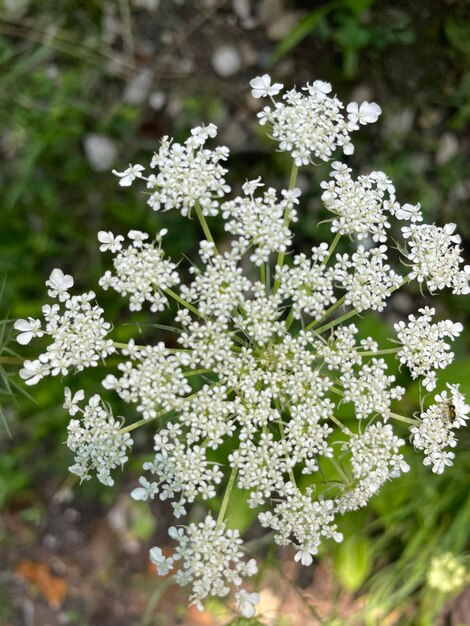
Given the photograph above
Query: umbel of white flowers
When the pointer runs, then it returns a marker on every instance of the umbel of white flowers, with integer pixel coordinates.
(267, 352)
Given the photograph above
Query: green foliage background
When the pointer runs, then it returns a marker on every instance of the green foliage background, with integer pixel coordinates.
(57, 85)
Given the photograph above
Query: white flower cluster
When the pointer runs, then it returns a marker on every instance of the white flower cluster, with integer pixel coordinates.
(312, 124)
(152, 379)
(78, 332)
(178, 468)
(374, 460)
(361, 205)
(96, 438)
(220, 288)
(371, 390)
(371, 281)
(260, 318)
(308, 283)
(211, 559)
(436, 257)
(424, 348)
(305, 520)
(189, 175)
(340, 352)
(141, 271)
(263, 387)
(261, 222)
(446, 573)
(435, 431)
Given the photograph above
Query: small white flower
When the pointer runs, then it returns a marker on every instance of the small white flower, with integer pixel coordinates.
(261, 87)
(322, 87)
(411, 212)
(59, 284)
(251, 186)
(156, 556)
(304, 555)
(109, 241)
(29, 328)
(367, 113)
(146, 491)
(246, 602)
(138, 237)
(71, 402)
(449, 230)
(128, 176)
(33, 371)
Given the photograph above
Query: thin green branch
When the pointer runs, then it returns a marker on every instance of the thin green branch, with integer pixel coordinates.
(183, 302)
(281, 255)
(380, 352)
(205, 225)
(225, 501)
(402, 418)
(11, 360)
(327, 313)
(332, 248)
(336, 321)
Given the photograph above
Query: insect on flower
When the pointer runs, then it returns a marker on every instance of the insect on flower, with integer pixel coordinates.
(449, 411)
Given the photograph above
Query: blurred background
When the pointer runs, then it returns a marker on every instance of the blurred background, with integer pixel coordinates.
(93, 85)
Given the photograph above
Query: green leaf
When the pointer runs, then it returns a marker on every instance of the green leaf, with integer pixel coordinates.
(353, 562)
(357, 7)
(301, 30)
(458, 35)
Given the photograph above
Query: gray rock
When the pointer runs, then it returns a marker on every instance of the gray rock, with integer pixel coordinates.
(226, 60)
(447, 148)
(100, 152)
(138, 88)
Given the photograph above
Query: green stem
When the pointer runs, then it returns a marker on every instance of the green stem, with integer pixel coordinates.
(337, 391)
(340, 425)
(146, 420)
(11, 360)
(277, 404)
(262, 274)
(340, 470)
(290, 319)
(228, 491)
(205, 225)
(402, 418)
(332, 248)
(125, 346)
(183, 302)
(336, 321)
(281, 255)
(290, 470)
(196, 372)
(327, 313)
(379, 352)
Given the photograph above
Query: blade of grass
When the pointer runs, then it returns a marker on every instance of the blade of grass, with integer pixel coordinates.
(301, 30)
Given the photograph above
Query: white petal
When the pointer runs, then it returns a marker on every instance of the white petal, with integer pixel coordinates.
(22, 325)
(139, 493)
(369, 112)
(25, 338)
(104, 236)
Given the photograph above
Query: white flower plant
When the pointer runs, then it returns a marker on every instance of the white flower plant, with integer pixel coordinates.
(267, 351)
